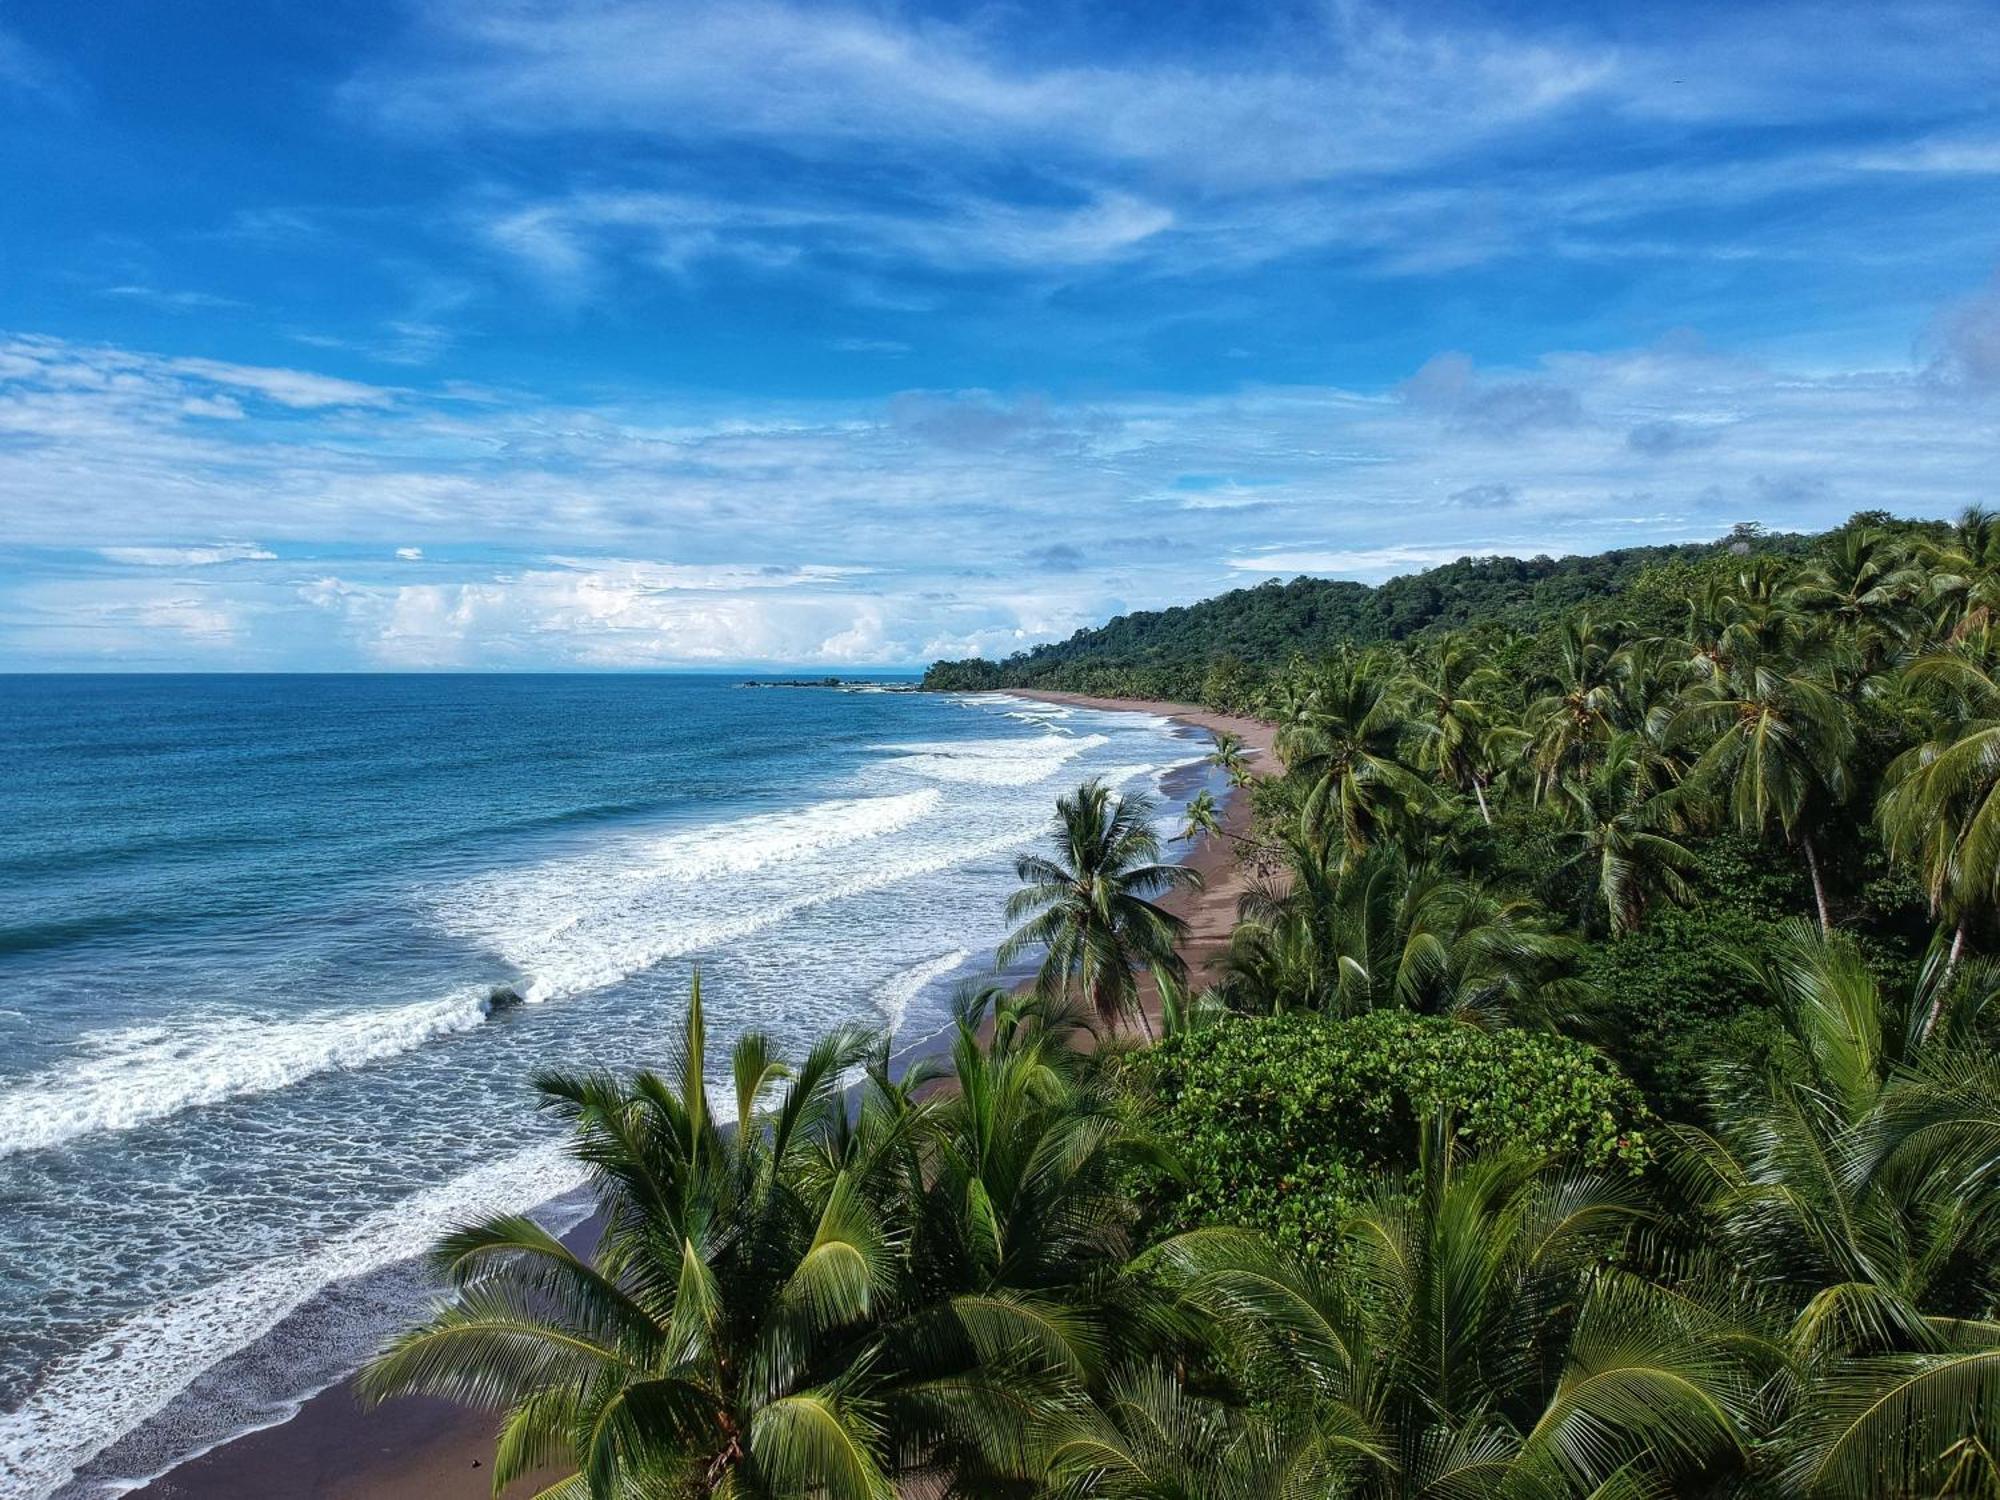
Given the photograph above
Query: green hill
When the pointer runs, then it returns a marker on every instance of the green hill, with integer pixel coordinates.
(1170, 652)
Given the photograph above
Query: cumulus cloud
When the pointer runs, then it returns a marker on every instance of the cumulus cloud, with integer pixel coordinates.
(619, 614)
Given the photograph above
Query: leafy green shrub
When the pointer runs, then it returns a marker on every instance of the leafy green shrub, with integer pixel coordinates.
(1675, 998)
(1280, 1122)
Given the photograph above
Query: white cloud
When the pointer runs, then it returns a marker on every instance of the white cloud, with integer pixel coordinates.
(860, 530)
(1364, 92)
(617, 614)
(28, 72)
(1363, 564)
(1950, 156)
(566, 241)
(187, 557)
(175, 301)
(1395, 136)
(295, 388)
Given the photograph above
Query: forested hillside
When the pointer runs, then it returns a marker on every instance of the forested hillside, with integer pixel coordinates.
(1169, 652)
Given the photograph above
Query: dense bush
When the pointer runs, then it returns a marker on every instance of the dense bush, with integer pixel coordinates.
(1279, 1122)
(1678, 996)
(1676, 999)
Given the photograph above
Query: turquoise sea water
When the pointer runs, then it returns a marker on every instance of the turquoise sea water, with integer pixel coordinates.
(248, 931)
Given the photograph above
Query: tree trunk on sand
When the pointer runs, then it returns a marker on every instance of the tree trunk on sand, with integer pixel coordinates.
(1819, 886)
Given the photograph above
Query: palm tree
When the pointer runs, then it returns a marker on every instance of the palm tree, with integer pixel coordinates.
(1453, 700)
(720, 1339)
(1347, 746)
(1940, 806)
(1385, 932)
(1230, 756)
(1567, 723)
(1772, 748)
(1863, 585)
(1088, 905)
(1838, 1178)
(1615, 818)
(1201, 819)
(1965, 573)
(1150, 1437)
(1486, 1335)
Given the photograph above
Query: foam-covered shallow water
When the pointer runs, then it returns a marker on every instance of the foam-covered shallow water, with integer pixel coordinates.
(250, 929)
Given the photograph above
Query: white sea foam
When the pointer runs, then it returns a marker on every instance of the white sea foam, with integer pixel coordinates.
(585, 924)
(90, 1399)
(146, 1073)
(894, 997)
(1020, 761)
(757, 842)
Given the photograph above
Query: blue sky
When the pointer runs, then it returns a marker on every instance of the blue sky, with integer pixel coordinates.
(594, 333)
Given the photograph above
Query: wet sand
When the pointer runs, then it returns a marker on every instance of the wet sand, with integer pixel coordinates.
(424, 1449)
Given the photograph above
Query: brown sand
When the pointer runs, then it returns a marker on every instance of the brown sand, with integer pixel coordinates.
(422, 1449)
(1210, 912)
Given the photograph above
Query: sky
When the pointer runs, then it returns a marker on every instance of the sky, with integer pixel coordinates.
(598, 334)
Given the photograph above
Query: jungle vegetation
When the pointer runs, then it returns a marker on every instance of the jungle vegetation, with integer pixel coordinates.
(1600, 1097)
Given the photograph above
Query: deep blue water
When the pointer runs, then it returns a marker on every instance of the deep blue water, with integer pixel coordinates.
(249, 925)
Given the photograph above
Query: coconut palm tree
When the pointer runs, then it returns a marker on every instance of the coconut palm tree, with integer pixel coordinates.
(1201, 818)
(1771, 747)
(1230, 756)
(1836, 1178)
(1617, 830)
(1863, 587)
(1964, 584)
(1348, 748)
(1477, 1340)
(1940, 807)
(1151, 1437)
(1454, 700)
(720, 1340)
(1567, 723)
(1088, 904)
(1385, 932)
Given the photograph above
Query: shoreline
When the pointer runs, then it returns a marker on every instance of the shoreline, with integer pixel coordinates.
(426, 1448)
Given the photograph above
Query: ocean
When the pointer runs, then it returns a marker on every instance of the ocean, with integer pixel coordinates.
(249, 932)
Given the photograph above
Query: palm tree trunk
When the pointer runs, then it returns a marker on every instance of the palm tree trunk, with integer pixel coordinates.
(1944, 982)
(1818, 885)
(1479, 791)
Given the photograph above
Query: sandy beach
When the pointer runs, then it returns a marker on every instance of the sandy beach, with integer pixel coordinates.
(420, 1449)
